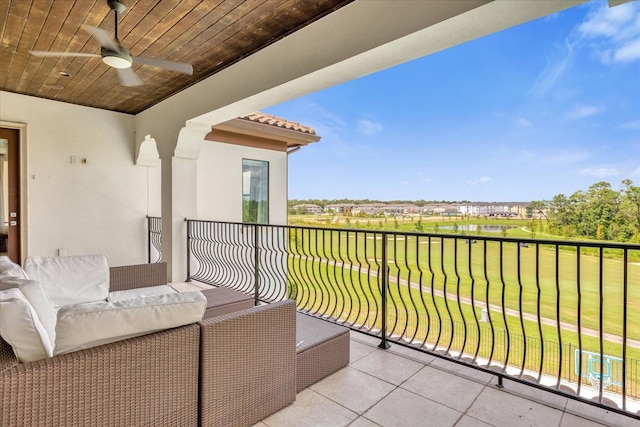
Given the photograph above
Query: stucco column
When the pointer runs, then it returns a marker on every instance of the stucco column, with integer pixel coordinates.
(178, 156)
(171, 208)
(166, 145)
(184, 202)
(179, 148)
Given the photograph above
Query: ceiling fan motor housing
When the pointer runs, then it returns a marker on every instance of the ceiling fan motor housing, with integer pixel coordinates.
(116, 6)
(121, 59)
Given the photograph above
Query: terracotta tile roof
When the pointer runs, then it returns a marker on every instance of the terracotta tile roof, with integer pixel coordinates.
(268, 119)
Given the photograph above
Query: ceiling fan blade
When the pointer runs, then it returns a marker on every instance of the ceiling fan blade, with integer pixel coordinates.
(128, 77)
(180, 67)
(45, 53)
(103, 37)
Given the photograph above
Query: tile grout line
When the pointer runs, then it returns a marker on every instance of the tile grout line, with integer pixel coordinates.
(484, 386)
(368, 408)
(562, 408)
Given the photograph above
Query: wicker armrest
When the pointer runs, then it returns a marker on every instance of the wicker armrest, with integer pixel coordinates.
(145, 381)
(137, 276)
(247, 364)
(7, 357)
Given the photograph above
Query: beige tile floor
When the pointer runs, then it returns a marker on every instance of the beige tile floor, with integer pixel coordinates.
(402, 387)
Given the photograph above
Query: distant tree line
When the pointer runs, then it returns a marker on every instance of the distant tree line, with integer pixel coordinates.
(324, 202)
(600, 213)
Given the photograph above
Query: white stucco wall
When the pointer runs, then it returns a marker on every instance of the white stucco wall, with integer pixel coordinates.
(219, 198)
(219, 192)
(97, 207)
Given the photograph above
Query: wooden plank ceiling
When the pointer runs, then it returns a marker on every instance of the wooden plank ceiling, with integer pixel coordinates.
(208, 34)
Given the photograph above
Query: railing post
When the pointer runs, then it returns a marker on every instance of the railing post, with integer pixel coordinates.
(256, 266)
(188, 250)
(148, 240)
(384, 285)
(569, 359)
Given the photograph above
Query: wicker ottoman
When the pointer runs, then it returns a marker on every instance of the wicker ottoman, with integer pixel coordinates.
(224, 301)
(322, 349)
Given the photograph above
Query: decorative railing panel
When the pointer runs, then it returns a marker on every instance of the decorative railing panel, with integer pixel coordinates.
(559, 315)
(154, 240)
(248, 258)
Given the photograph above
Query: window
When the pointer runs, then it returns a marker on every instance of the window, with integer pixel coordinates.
(255, 191)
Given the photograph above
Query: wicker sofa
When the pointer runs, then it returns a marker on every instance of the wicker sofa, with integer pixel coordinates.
(229, 370)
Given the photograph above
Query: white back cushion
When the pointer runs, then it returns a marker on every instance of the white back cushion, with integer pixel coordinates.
(21, 328)
(90, 325)
(71, 280)
(9, 268)
(39, 302)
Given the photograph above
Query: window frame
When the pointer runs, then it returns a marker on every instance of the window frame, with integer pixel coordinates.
(260, 217)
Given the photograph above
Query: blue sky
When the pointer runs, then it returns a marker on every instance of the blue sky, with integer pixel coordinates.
(551, 106)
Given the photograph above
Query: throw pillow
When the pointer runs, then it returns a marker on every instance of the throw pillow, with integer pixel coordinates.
(9, 268)
(38, 300)
(21, 328)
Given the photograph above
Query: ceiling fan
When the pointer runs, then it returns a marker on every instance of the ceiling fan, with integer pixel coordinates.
(117, 56)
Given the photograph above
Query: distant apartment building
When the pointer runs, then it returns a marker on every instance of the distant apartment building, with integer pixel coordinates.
(307, 208)
(496, 209)
(407, 209)
(341, 208)
(439, 208)
(374, 209)
(474, 209)
(523, 210)
(368, 209)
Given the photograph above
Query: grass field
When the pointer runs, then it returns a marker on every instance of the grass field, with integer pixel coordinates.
(337, 273)
(503, 274)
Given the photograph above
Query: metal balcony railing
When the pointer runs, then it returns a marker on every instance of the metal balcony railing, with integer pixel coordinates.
(154, 239)
(563, 316)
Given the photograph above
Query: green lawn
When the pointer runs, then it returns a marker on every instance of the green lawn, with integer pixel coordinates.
(524, 278)
(336, 273)
(419, 317)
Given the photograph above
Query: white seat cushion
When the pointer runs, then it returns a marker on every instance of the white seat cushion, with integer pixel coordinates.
(151, 291)
(90, 325)
(71, 280)
(21, 328)
(39, 302)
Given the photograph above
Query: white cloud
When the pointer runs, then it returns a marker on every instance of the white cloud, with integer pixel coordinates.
(614, 32)
(523, 123)
(369, 128)
(633, 125)
(481, 180)
(565, 157)
(635, 172)
(582, 111)
(406, 182)
(628, 52)
(552, 17)
(618, 22)
(527, 154)
(600, 172)
(427, 180)
(326, 117)
(553, 71)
